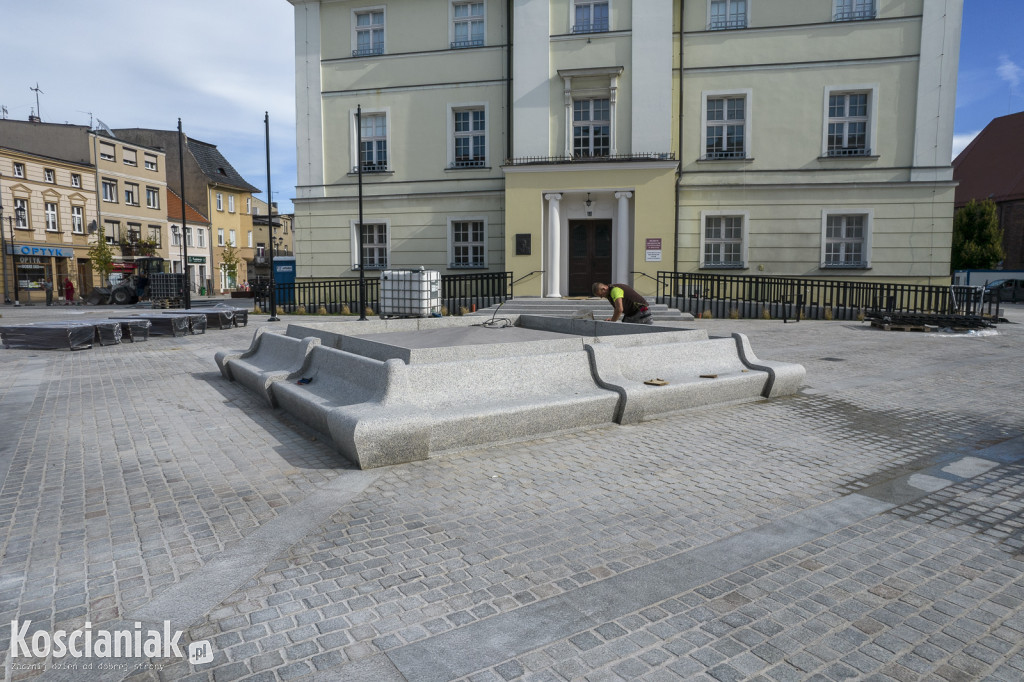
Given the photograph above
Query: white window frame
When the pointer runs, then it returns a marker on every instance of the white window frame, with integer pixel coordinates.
(112, 231)
(19, 170)
(152, 197)
(729, 23)
(76, 180)
(49, 176)
(220, 236)
(189, 233)
(131, 194)
(109, 184)
(250, 239)
(590, 123)
(854, 10)
(150, 161)
(355, 245)
(590, 27)
(78, 219)
(52, 213)
(871, 90)
(200, 237)
(744, 217)
(220, 201)
(470, 42)
(452, 220)
(21, 217)
(748, 107)
(175, 235)
(454, 109)
(129, 157)
(232, 239)
(354, 146)
(374, 49)
(231, 203)
(869, 219)
(156, 234)
(248, 205)
(108, 152)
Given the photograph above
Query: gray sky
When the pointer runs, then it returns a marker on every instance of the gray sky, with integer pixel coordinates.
(219, 65)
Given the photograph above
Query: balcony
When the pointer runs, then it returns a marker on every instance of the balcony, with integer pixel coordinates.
(469, 163)
(599, 26)
(368, 51)
(610, 159)
(726, 24)
(723, 154)
(855, 15)
(372, 167)
(462, 44)
(848, 151)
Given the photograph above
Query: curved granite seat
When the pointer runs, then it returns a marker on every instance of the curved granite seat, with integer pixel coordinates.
(270, 358)
(387, 412)
(697, 373)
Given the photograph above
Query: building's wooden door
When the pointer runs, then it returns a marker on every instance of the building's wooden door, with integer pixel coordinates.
(590, 254)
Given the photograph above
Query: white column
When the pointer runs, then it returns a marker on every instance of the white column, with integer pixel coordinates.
(620, 271)
(554, 257)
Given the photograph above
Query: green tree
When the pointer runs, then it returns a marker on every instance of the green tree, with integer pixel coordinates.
(101, 256)
(977, 237)
(229, 260)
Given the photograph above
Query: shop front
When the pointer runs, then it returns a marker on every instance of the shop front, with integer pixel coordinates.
(34, 265)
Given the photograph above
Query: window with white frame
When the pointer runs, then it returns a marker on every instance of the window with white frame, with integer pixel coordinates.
(131, 194)
(48, 175)
(149, 160)
(231, 203)
(76, 180)
(78, 219)
(152, 197)
(249, 244)
(51, 216)
(109, 190)
(153, 235)
(374, 244)
(129, 157)
(722, 240)
(853, 10)
(19, 170)
(200, 237)
(220, 201)
(107, 151)
(467, 24)
(175, 235)
(725, 126)
(590, 16)
(467, 243)
(725, 14)
(248, 204)
(369, 29)
(373, 154)
(846, 239)
(21, 217)
(848, 124)
(189, 232)
(231, 238)
(470, 138)
(220, 236)
(591, 127)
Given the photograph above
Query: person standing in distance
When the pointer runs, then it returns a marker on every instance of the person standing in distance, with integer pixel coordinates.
(627, 304)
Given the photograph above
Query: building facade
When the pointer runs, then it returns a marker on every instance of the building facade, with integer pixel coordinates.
(76, 184)
(570, 141)
(217, 191)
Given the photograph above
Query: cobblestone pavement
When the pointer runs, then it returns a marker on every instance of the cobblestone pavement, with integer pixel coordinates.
(869, 527)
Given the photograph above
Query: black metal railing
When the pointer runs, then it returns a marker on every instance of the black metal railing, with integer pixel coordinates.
(610, 158)
(793, 297)
(336, 295)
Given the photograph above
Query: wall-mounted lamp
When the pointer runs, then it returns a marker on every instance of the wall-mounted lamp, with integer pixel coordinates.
(587, 203)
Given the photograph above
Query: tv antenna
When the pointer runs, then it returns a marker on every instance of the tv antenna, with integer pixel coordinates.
(38, 92)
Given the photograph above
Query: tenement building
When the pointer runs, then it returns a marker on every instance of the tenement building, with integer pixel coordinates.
(569, 141)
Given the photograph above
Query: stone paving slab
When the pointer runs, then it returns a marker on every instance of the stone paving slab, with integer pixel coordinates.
(136, 468)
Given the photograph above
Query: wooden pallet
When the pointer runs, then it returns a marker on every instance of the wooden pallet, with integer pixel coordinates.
(893, 327)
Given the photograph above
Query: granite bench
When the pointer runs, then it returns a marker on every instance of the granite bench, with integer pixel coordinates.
(270, 358)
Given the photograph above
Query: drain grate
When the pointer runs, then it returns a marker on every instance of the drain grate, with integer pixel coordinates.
(833, 359)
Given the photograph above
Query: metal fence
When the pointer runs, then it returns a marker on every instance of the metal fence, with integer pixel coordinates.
(458, 292)
(792, 297)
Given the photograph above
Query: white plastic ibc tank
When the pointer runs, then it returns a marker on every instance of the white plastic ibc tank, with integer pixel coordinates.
(412, 293)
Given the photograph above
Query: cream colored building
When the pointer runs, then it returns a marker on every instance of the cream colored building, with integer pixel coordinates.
(617, 138)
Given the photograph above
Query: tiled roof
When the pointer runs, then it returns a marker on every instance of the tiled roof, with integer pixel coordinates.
(174, 210)
(992, 165)
(216, 167)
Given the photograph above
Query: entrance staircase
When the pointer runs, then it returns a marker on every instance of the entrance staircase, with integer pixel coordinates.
(575, 307)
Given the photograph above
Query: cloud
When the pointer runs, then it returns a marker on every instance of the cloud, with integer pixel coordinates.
(961, 140)
(1009, 71)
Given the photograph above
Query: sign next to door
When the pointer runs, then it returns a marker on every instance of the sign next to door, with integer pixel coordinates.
(652, 246)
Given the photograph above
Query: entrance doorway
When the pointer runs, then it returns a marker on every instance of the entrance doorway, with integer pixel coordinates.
(590, 255)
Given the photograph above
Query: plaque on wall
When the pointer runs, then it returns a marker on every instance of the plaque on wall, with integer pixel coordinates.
(523, 244)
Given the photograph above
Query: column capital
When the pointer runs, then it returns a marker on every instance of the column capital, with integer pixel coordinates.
(553, 197)
(623, 195)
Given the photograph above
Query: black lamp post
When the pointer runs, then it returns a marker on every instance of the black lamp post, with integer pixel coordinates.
(3, 247)
(270, 223)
